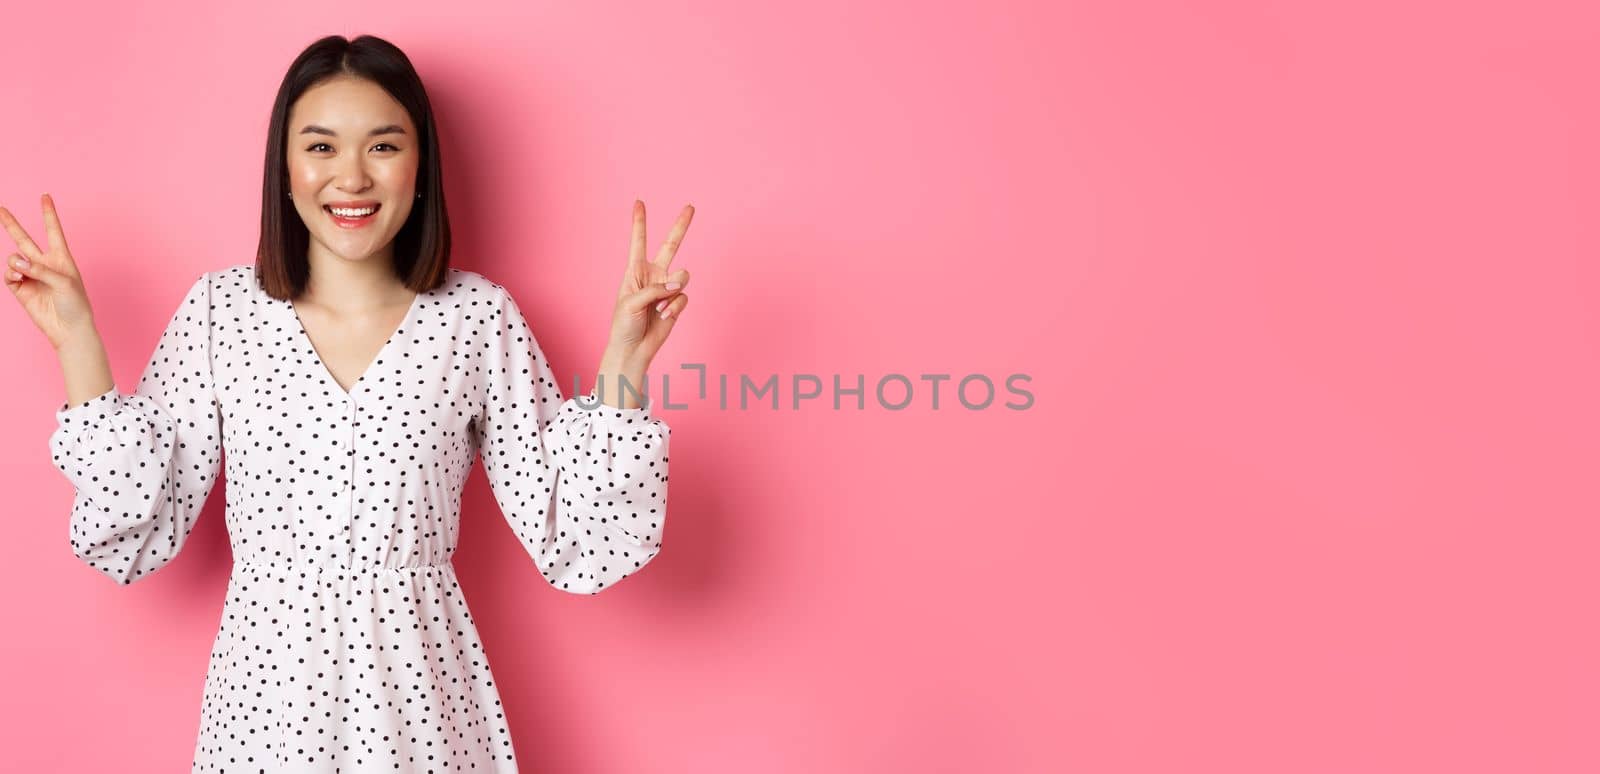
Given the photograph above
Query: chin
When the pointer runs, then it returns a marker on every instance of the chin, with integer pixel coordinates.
(368, 256)
(349, 253)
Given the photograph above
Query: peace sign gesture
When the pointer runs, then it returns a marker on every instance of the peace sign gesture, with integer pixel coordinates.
(46, 281)
(650, 299)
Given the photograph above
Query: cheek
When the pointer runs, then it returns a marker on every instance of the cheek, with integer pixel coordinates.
(395, 176)
(302, 177)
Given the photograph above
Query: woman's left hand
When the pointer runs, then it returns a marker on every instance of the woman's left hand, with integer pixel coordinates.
(651, 299)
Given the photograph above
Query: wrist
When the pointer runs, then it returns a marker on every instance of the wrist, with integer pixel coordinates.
(79, 339)
(620, 385)
(619, 360)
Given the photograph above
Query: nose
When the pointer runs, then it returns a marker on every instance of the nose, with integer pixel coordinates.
(351, 175)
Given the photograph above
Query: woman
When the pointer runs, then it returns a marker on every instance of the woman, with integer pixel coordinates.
(352, 375)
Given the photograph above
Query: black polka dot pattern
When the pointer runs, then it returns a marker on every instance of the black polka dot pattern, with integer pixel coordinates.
(345, 643)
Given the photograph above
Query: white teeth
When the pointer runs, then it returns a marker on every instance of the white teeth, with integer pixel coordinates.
(344, 213)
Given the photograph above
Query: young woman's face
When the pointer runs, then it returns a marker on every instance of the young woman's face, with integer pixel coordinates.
(352, 159)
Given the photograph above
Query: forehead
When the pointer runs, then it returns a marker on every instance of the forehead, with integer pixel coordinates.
(345, 104)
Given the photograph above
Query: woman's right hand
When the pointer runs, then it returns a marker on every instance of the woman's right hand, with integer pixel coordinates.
(47, 283)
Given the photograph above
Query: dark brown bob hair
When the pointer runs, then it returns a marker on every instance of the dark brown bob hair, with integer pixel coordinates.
(422, 246)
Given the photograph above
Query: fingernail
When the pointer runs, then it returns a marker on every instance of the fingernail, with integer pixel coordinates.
(661, 305)
(22, 260)
(665, 313)
(673, 286)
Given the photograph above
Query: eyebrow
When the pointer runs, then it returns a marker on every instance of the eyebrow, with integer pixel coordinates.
(390, 129)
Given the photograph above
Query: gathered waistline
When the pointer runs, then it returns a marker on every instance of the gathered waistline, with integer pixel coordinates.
(309, 568)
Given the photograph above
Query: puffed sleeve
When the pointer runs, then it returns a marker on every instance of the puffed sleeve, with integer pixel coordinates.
(144, 463)
(583, 486)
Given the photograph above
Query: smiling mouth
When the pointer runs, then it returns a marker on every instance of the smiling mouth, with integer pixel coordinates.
(352, 218)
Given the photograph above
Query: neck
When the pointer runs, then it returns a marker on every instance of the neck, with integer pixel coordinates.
(353, 286)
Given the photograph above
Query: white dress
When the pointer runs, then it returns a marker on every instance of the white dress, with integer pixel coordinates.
(345, 644)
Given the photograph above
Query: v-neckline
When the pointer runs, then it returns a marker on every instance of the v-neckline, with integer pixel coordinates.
(361, 383)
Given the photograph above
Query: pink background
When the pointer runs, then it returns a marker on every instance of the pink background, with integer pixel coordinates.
(1307, 298)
